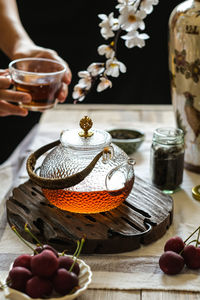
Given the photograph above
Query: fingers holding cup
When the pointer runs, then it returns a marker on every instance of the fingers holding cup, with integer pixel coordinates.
(9, 98)
(40, 77)
(13, 96)
(63, 92)
(8, 109)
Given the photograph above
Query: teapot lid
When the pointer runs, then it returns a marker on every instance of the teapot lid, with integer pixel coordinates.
(86, 140)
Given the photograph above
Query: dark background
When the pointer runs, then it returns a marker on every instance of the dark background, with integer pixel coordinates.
(71, 28)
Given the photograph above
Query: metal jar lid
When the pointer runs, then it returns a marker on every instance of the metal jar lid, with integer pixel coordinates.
(196, 192)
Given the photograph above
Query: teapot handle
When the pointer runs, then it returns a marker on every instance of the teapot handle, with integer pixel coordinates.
(128, 174)
(59, 183)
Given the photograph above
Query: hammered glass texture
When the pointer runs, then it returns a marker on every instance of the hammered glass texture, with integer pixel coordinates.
(62, 162)
(91, 195)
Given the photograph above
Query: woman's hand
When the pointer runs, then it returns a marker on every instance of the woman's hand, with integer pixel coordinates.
(36, 51)
(16, 43)
(8, 98)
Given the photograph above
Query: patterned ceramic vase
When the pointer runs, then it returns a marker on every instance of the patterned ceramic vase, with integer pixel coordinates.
(184, 65)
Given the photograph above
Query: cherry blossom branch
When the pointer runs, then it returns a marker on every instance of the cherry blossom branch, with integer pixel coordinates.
(116, 40)
(131, 15)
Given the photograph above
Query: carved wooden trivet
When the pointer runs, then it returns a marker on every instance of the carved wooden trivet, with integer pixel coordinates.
(143, 218)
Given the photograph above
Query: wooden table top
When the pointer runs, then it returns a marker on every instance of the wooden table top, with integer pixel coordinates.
(123, 116)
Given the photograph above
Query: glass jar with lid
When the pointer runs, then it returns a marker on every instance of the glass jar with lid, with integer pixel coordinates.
(167, 159)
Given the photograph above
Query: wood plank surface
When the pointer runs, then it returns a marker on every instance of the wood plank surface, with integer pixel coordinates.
(111, 295)
(157, 295)
(138, 295)
(111, 114)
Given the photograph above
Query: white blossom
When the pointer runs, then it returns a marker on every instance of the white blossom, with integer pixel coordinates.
(147, 5)
(104, 84)
(86, 79)
(108, 24)
(133, 38)
(106, 50)
(131, 20)
(123, 3)
(113, 66)
(78, 93)
(96, 69)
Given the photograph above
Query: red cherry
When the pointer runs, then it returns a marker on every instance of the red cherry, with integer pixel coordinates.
(44, 264)
(171, 263)
(174, 244)
(191, 255)
(39, 249)
(66, 262)
(23, 260)
(64, 281)
(17, 278)
(37, 287)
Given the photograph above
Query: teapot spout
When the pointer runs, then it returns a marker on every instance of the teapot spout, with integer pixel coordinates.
(121, 176)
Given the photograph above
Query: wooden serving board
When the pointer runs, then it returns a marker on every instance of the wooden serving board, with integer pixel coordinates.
(143, 218)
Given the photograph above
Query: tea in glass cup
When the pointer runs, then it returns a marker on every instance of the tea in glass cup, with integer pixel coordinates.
(40, 77)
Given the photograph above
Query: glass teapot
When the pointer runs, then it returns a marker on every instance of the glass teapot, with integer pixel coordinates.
(85, 172)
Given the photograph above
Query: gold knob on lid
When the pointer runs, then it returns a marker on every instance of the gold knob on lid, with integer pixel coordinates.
(86, 123)
(196, 192)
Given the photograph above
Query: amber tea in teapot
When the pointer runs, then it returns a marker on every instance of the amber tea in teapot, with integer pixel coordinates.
(85, 172)
(88, 202)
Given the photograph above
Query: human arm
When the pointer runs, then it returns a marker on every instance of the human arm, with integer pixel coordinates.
(16, 43)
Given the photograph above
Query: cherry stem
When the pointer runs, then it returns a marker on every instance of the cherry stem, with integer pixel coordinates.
(78, 245)
(192, 234)
(2, 285)
(78, 253)
(63, 253)
(19, 236)
(31, 234)
(192, 242)
(197, 241)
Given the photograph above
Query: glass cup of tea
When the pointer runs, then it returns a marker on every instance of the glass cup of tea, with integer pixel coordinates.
(40, 77)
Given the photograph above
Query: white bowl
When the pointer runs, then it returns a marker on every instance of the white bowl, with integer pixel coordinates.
(85, 277)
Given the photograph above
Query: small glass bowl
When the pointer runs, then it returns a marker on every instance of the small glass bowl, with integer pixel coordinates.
(85, 278)
(128, 140)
